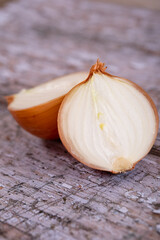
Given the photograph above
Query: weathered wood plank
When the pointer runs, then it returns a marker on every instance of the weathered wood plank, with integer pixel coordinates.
(44, 192)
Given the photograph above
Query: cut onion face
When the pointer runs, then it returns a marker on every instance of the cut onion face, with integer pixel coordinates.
(107, 123)
(36, 109)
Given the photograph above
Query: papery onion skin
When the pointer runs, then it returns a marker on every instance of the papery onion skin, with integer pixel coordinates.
(41, 120)
(99, 68)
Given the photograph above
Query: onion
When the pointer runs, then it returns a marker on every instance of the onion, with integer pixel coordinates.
(107, 122)
(36, 109)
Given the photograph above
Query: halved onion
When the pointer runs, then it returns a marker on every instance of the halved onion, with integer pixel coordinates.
(107, 122)
(36, 109)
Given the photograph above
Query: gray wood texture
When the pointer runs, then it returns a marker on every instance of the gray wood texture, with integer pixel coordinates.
(45, 194)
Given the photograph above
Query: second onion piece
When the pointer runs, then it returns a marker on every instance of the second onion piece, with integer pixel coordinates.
(36, 109)
(107, 122)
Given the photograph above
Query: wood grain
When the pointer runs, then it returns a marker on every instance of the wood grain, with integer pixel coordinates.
(44, 192)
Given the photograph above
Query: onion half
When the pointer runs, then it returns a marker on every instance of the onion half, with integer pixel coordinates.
(107, 122)
(36, 109)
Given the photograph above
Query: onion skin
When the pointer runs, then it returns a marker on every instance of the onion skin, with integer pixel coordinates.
(40, 120)
(99, 67)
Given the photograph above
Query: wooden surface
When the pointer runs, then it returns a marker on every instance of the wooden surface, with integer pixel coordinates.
(44, 192)
(154, 4)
